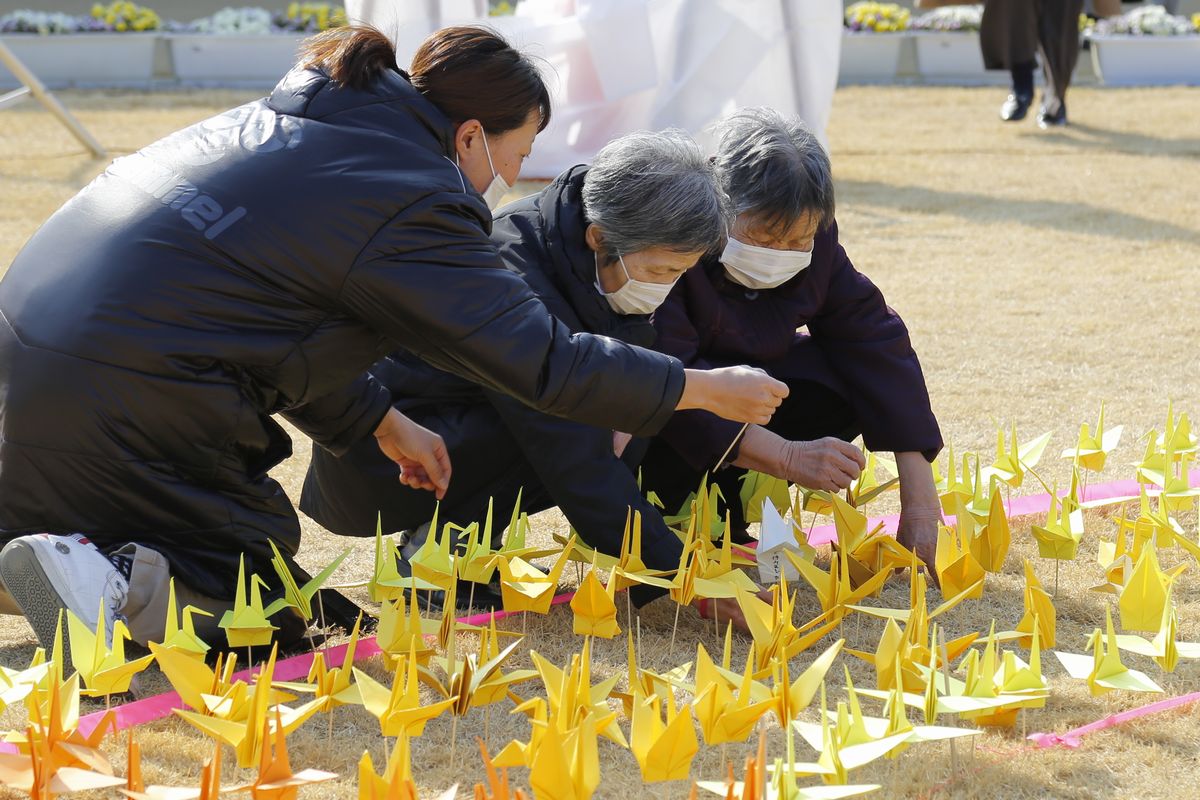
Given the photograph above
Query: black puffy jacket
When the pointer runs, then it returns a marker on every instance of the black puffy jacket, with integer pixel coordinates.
(257, 263)
(541, 239)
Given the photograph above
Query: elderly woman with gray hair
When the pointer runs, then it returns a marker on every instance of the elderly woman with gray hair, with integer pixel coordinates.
(853, 372)
(601, 247)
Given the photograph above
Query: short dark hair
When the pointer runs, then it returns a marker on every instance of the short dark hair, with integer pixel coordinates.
(352, 55)
(471, 72)
(467, 71)
(774, 168)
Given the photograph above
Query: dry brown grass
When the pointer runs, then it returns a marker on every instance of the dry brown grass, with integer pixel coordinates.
(1040, 273)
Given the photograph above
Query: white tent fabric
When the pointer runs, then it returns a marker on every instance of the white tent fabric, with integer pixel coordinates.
(623, 65)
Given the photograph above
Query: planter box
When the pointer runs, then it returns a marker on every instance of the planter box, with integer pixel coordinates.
(248, 61)
(870, 57)
(954, 58)
(1147, 60)
(84, 59)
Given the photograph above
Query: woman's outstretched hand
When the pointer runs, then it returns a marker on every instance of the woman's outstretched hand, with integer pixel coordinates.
(741, 394)
(421, 453)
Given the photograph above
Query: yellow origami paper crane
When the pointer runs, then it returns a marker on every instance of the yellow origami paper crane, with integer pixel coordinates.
(399, 711)
(386, 582)
(1092, 449)
(1146, 594)
(294, 595)
(989, 545)
(724, 716)
(630, 569)
(566, 763)
(570, 692)
(524, 587)
(834, 589)
(478, 680)
(955, 485)
(1165, 648)
(870, 550)
(396, 782)
(1059, 537)
(104, 670)
(1177, 434)
(179, 631)
(246, 736)
(402, 630)
(331, 685)
(758, 488)
(834, 762)
(247, 624)
(594, 608)
(771, 626)
(275, 780)
(664, 751)
(792, 697)
(1012, 461)
(957, 569)
(433, 561)
(1040, 614)
(1104, 671)
(850, 727)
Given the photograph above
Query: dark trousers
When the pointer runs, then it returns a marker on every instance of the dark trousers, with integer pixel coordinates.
(1014, 32)
(811, 411)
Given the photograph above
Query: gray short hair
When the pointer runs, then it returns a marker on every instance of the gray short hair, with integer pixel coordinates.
(655, 190)
(774, 167)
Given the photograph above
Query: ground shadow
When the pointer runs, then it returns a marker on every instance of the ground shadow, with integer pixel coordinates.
(1053, 214)
(1089, 137)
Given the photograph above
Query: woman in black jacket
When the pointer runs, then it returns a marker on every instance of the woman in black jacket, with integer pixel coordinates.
(257, 263)
(601, 247)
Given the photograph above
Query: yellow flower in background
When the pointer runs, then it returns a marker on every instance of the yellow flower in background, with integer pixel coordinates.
(124, 16)
(877, 17)
(1196, 22)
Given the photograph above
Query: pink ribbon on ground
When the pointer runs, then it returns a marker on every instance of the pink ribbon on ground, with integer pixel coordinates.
(1074, 738)
(1019, 507)
(149, 709)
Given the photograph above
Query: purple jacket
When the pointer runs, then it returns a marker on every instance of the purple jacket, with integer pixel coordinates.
(855, 344)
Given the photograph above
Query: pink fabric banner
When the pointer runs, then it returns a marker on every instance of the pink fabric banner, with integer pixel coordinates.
(1074, 738)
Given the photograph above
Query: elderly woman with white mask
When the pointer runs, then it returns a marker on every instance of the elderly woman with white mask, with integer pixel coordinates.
(854, 370)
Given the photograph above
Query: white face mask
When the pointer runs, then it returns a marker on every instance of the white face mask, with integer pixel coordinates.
(634, 297)
(761, 267)
(499, 187)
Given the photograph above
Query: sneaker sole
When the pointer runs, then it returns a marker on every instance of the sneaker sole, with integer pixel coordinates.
(34, 592)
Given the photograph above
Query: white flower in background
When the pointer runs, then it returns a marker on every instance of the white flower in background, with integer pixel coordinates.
(42, 22)
(1145, 21)
(229, 21)
(950, 18)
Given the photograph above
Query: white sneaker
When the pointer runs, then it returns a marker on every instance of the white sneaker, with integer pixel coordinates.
(45, 573)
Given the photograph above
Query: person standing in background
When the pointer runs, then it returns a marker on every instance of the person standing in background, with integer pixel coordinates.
(1012, 35)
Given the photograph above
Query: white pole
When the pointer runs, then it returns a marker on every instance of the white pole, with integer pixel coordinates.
(38, 90)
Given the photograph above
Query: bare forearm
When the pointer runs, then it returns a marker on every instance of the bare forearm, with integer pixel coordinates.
(762, 451)
(917, 492)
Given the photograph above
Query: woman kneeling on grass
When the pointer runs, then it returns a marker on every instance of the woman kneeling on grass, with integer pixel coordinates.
(258, 263)
(854, 371)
